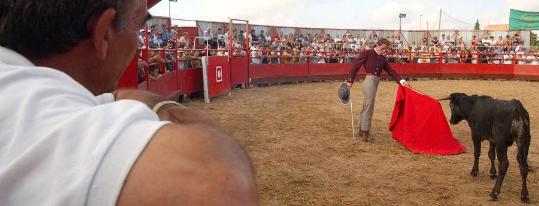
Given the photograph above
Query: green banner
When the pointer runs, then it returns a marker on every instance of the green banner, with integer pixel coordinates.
(523, 20)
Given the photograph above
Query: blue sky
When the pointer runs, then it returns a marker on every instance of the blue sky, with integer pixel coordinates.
(353, 14)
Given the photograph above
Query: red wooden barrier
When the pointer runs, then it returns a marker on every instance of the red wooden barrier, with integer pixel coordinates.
(190, 80)
(278, 73)
(331, 71)
(239, 73)
(487, 71)
(218, 76)
(427, 70)
(526, 72)
(166, 85)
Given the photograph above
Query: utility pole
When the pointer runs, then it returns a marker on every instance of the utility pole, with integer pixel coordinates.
(440, 19)
(421, 15)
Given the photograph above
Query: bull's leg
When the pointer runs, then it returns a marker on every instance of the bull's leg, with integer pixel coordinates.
(476, 154)
(522, 158)
(492, 157)
(501, 152)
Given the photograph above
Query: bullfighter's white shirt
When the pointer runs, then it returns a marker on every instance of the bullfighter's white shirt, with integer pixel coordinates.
(60, 144)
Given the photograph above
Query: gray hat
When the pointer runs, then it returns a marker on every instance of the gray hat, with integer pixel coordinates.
(344, 93)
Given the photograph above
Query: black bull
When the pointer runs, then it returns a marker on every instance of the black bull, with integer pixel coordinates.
(501, 122)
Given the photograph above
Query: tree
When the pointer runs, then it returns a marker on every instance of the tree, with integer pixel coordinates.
(476, 27)
(534, 42)
(533, 39)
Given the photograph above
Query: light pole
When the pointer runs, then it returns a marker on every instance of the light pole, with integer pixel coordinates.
(400, 20)
(169, 7)
(421, 15)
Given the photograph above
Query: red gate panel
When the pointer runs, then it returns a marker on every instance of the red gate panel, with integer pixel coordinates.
(239, 70)
(526, 72)
(218, 76)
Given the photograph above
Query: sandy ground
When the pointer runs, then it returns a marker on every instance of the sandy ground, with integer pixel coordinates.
(300, 141)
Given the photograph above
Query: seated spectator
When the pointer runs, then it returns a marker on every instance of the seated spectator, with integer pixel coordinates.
(141, 38)
(169, 57)
(254, 37)
(475, 56)
(507, 58)
(508, 43)
(521, 58)
(303, 55)
(499, 42)
(154, 73)
(195, 60)
(321, 56)
(534, 58)
(474, 42)
(286, 57)
(183, 60)
(435, 41)
(256, 55)
(141, 70)
(498, 55)
(182, 41)
(273, 58)
(465, 56)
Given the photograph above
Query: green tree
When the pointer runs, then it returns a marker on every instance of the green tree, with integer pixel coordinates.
(477, 27)
(533, 39)
(534, 43)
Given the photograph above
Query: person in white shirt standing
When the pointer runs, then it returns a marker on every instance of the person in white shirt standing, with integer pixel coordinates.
(68, 138)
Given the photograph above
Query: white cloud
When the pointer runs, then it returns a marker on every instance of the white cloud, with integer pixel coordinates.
(526, 5)
(259, 12)
(386, 15)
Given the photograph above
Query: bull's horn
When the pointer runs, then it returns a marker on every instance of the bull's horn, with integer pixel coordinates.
(445, 98)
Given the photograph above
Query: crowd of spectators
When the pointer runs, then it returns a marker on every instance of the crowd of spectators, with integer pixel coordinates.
(266, 48)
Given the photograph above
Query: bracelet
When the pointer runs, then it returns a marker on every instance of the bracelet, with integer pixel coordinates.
(161, 104)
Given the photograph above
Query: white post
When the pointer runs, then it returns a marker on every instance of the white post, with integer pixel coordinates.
(205, 79)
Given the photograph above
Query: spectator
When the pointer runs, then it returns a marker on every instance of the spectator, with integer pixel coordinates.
(442, 40)
(435, 41)
(165, 34)
(507, 59)
(169, 58)
(475, 56)
(141, 69)
(499, 42)
(174, 32)
(182, 41)
(256, 56)
(141, 37)
(254, 37)
(508, 43)
(241, 37)
(534, 58)
(474, 42)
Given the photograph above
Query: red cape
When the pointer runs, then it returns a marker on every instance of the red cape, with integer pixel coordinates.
(419, 123)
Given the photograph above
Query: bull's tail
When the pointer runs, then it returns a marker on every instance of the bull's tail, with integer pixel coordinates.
(523, 114)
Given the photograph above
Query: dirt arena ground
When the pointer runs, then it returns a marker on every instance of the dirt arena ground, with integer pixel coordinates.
(300, 141)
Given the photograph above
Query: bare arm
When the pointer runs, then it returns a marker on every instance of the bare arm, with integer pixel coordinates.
(195, 164)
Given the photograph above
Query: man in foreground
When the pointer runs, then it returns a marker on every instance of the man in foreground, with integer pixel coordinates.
(66, 139)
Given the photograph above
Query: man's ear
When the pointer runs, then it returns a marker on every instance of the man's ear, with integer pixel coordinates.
(101, 32)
